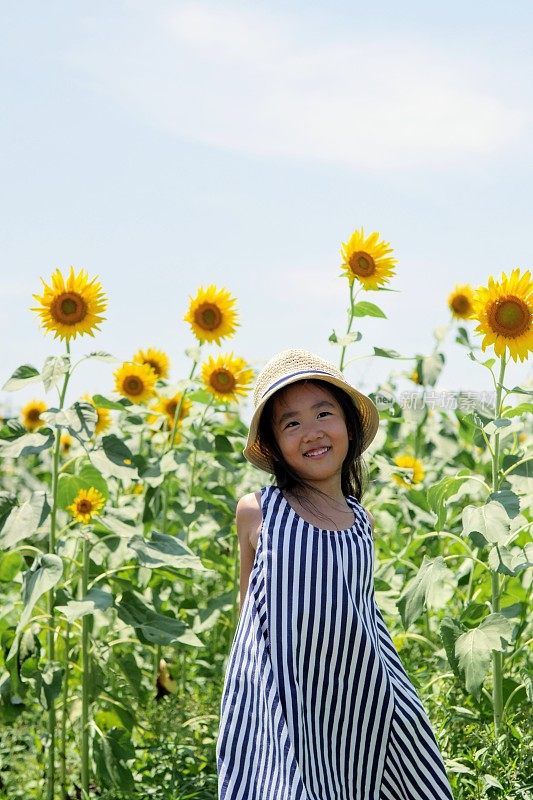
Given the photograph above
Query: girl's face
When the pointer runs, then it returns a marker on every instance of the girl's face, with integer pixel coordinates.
(310, 430)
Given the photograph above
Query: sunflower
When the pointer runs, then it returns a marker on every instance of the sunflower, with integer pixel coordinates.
(411, 463)
(104, 415)
(135, 381)
(31, 414)
(66, 443)
(86, 504)
(156, 359)
(460, 301)
(227, 377)
(367, 260)
(211, 314)
(504, 311)
(168, 406)
(73, 306)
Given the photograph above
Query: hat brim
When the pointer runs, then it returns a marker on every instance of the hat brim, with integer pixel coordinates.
(367, 410)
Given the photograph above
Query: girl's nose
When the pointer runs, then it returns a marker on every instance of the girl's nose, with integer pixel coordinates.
(312, 433)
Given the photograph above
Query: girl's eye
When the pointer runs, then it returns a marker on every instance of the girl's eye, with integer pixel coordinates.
(296, 421)
(325, 412)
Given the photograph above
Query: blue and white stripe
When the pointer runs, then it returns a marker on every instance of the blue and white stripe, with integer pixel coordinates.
(316, 704)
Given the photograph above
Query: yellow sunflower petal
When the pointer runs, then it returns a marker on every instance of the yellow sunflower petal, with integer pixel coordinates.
(409, 462)
(367, 260)
(227, 377)
(212, 314)
(135, 381)
(86, 504)
(460, 301)
(156, 359)
(104, 416)
(168, 406)
(31, 414)
(71, 307)
(504, 312)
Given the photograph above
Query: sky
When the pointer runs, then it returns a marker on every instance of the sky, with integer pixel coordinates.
(165, 146)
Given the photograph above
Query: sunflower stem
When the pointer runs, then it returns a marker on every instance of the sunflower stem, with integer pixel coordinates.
(193, 465)
(497, 656)
(164, 512)
(50, 777)
(85, 675)
(63, 750)
(349, 328)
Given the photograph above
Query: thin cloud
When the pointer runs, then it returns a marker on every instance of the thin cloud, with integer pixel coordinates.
(255, 81)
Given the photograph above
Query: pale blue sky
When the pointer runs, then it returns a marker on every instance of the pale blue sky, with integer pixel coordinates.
(167, 145)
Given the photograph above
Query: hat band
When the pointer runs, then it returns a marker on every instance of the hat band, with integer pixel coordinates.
(292, 374)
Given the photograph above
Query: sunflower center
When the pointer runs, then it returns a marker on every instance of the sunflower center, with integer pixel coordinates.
(33, 415)
(362, 264)
(171, 408)
(155, 366)
(133, 385)
(510, 316)
(68, 308)
(84, 506)
(223, 381)
(208, 316)
(461, 303)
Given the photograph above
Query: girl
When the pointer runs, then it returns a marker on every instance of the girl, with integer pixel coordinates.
(316, 704)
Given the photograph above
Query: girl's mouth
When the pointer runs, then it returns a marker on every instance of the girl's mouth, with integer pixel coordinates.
(317, 452)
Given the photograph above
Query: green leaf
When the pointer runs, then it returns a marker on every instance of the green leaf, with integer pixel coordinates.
(44, 573)
(165, 551)
(80, 420)
(490, 520)
(22, 376)
(103, 402)
(95, 599)
(109, 756)
(129, 667)
(70, 485)
(10, 566)
(500, 560)
(200, 396)
(449, 633)
(495, 426)
(24, 520)
(516, 411)
(380, 351)
(509, 500)
(366, 309)
(474, 649)
(431, 586)
(27, 444)
(439, 493)
(333, 338)
(114, 458)
(524, 470)
(101, 355)
(54, 370)
(223, 444)
(430, 368)
(51, 680)
(150, 627)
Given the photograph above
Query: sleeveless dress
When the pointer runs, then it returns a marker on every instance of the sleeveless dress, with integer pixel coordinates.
(316, 704)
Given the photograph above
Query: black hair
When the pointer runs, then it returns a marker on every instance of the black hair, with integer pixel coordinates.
(353, 473)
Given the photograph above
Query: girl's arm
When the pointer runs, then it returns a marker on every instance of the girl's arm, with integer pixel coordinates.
(247, 519)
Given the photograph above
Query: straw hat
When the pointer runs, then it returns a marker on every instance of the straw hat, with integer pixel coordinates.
(294, 365)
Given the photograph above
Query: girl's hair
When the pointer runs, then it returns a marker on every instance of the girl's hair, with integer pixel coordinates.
(353, 474)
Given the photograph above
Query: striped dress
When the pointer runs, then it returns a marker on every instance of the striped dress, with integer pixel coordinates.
(316, 704)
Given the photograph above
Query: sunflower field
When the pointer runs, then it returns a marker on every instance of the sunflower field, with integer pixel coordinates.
(119, 561)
